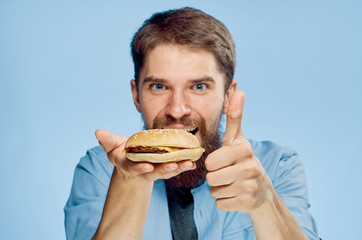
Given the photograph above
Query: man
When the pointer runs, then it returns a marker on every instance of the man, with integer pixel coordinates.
(184, 66)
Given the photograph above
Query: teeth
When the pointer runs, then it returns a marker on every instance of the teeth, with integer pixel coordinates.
(188, 129)
(185, 129)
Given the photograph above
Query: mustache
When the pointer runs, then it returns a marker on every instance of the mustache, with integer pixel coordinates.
(168, 120)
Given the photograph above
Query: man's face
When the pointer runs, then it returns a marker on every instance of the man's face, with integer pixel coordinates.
(180, 87)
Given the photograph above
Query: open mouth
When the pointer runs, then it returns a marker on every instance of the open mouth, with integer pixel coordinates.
(193, 131)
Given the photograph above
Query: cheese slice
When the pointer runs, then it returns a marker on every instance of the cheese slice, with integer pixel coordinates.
(174, 149)
(169, 149)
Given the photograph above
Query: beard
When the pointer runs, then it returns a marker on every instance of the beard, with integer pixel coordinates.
(210, 141)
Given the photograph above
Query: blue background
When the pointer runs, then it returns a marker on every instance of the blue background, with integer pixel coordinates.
(65, 69)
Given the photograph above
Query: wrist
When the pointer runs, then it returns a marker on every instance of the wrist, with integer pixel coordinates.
(267, 201)
(131, 182)
(126, 207)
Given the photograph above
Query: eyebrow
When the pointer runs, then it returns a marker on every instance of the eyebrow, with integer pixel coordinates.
(202, 80)
(194, 81)
(154, 80)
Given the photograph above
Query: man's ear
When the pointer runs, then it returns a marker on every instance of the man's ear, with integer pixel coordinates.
(229, 93)
(136, 99)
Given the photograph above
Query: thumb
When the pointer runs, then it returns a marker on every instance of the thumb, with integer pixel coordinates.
(108, 140)
(234, 116)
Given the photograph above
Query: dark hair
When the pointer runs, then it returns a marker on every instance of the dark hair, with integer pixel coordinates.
(186, 27)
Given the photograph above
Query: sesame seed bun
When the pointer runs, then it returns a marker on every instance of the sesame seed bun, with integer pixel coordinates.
(176, 145)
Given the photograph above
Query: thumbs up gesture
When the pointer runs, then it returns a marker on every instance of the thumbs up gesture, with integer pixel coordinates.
(238, 180)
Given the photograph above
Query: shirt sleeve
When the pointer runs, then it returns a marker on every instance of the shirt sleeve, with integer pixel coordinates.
(84, 207)
(291, 185)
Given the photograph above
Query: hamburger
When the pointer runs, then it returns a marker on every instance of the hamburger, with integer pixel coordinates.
(163, 145)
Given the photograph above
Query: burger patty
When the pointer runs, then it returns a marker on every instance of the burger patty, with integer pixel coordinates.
(141, 149)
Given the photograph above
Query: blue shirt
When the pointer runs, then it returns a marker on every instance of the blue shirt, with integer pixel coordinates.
(92, 176)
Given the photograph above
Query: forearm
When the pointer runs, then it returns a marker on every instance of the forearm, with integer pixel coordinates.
(273, 220)
(125, 209)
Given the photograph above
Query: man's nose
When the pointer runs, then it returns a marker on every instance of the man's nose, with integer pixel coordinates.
(178, 105)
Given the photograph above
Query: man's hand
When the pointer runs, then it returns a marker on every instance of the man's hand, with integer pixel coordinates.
(130, 189)
(238, 180)
(114, 144)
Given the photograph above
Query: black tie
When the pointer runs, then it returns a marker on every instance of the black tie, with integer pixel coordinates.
(181, 208)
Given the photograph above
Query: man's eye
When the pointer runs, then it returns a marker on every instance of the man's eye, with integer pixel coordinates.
(158, 86)
(200, 86)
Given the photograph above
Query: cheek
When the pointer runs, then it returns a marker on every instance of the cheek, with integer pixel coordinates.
(210, 108)
(150, 108)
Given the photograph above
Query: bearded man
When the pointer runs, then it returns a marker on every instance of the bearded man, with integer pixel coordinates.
(240, 189)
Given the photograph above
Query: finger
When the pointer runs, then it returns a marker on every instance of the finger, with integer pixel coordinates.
(186, 165)
(248, 187)
(227, 204)
(181, 168)
(109, 141)
(234, 117)
(223, 191)
(168, 170)
(137, 168)
(227, 156)
(220, 158)
(113, 145)
(174, 168)
(158, 170)
(222, 177)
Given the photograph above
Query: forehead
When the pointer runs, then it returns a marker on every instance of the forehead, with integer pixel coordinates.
(179, 62)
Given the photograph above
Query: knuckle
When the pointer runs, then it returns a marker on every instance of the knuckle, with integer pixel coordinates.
(252, 172)
(248, 152)
(239, 151)
(244, 151)
(240, 171)
(235, 115)
(251, 187)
